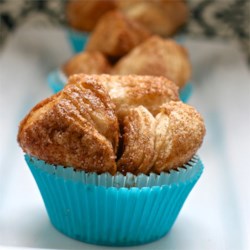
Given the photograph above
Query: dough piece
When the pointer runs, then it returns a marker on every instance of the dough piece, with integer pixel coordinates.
(131, 91)
(115, 35)
(76, 127)
(162, 143)
(83, 15)
(88, 63)
(179, 134)
(138, 142)
(162, 17)
(157, 57)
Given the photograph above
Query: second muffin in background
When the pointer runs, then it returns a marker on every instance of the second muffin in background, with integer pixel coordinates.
(156, 56)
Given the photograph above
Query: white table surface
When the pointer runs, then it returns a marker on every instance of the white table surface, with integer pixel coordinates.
(216, 214)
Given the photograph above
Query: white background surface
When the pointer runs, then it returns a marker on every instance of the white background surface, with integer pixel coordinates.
(216, 214)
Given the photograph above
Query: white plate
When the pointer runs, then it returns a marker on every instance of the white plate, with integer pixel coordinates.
(216, 214)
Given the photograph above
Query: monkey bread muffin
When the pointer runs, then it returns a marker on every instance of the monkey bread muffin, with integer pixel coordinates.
(113, 166)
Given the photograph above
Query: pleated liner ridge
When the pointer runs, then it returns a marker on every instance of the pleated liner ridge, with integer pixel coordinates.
(113, 210)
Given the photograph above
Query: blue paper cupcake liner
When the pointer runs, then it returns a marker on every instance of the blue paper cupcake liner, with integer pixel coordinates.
(77, 39)
(186, 92)
(113, 210)
(57, 81)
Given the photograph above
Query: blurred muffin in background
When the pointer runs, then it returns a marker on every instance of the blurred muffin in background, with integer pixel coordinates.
(83, 15)
(86, 62)
(162, 17)
(117, 26)
(158, 57)
(115, 35)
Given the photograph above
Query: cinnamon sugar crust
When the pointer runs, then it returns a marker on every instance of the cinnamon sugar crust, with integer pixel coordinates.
(76, 127)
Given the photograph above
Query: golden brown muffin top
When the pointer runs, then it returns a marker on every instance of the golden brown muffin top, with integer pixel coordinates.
(79, 127)
(131, 91)
(87, 62)
(115, 35)
(158, 57)
(83, 15)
